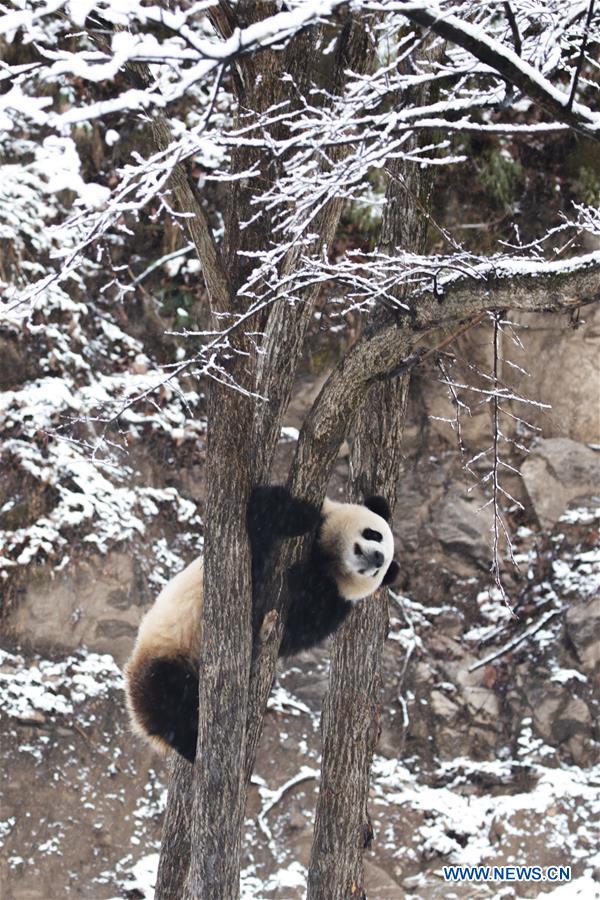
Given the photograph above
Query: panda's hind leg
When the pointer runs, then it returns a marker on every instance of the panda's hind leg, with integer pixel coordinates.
(163, 693)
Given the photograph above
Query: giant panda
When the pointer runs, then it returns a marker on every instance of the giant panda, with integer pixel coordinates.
(351, 557)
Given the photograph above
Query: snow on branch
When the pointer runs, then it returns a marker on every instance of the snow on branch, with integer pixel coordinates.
(198, 57)
(182, 52)
(506, 62)
(531, 285)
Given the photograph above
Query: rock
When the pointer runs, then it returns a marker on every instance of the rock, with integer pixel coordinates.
(562, 720)
(556, 472)
(583, 628)
(97, 602)
(560, 369)
(31, 717)
(462, 528)
(443, 706)
(380, 885)
(574, 718)
(545, 703)
(563, 363)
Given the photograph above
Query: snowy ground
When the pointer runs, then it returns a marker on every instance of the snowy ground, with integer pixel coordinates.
(519, 810)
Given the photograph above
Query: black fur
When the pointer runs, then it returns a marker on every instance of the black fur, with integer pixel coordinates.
(379, 506)
(164, 694)
(274, 514)
(316, 609)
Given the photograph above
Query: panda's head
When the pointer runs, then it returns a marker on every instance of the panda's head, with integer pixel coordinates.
(359, 544)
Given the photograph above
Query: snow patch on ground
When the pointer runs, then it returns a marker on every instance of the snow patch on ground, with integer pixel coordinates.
(31, 691)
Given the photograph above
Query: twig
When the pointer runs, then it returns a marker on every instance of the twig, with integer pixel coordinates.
(304, 775)
(513, 27)
(163, 259)
(579, 65)
(495, 486)
(516, 641)
(478, 318)
(458, 404)
(407, 657)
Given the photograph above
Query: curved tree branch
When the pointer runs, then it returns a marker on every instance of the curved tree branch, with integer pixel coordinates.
(526, 285)
(387, 349)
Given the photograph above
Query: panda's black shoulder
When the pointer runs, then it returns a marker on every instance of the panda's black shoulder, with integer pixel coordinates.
(316, 608)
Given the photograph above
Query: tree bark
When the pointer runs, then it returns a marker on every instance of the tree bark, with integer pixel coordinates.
(229, 727)
(219, 785)
(351, 717)
(176, 835)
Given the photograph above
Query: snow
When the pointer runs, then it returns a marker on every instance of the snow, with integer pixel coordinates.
(58, 156)
(98, 501)
(141, 877)
(281, 700)
(584, 888)
(5, 828)
(579, 574)
(54, 688)
(563, 676)
(450, 814)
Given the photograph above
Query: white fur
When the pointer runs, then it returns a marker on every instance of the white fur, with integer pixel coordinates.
(173, 625)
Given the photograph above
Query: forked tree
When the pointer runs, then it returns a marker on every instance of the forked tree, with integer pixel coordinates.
(304, 102)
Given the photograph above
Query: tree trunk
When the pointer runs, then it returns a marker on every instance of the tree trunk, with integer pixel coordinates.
(176, 836)
(219, 786)
(243, 433)
(351, 716)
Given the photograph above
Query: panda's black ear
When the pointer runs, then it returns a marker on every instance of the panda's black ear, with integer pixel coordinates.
(392, 573)
(379, 506)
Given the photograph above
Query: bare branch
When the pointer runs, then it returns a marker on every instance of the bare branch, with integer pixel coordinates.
(513, 27)
(511, 645)
(579, 65)
(189, 201)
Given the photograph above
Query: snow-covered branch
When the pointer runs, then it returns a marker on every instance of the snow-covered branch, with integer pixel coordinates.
(506, 62)
(389, 349)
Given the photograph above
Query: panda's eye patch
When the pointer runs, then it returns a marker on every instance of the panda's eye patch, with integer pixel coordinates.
(370, 535)
(357, 550)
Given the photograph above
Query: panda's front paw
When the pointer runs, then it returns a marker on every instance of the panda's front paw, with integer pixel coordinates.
(274, 507)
